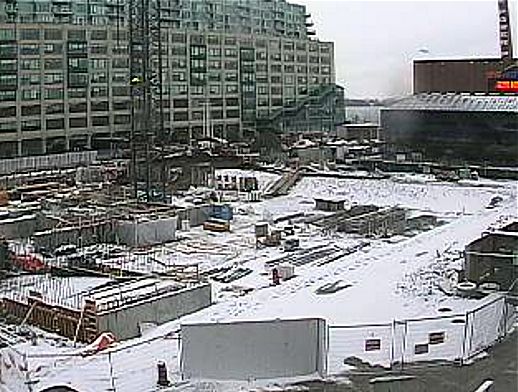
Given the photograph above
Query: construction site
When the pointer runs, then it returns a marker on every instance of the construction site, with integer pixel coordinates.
(158, 265)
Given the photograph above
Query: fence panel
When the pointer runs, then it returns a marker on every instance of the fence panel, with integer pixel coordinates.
(434, 339)
(487, 324)
(370, 343)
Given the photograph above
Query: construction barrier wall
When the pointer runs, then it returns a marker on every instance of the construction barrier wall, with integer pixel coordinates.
(456, 337)
(254, 350)
(124, 322)
(49, 161)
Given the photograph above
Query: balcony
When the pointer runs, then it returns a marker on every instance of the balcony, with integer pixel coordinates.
(115, 3)
(62, 11)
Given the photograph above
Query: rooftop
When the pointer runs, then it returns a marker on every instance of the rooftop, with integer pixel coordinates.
(457, 103)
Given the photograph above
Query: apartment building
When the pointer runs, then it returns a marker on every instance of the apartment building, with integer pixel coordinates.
(228, 66)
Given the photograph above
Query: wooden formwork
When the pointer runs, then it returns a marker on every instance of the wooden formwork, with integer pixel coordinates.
(70, 323)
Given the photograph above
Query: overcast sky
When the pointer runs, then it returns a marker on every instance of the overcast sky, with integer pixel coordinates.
(376, 40)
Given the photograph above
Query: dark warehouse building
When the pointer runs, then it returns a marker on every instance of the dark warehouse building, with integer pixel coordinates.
(455, 128)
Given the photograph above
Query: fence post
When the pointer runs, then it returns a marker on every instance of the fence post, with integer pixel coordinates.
(393, 344)
(403, 348)
(464, 339)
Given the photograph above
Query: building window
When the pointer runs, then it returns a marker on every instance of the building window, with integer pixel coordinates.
(79, 92)
(8, 127)
(32, 64)
(179, 51)
(33, 110)
(29, 34)
(31, 125)
(231, 88)
(55, 123)
(230, 64)
(230, 52)
(55, 108)
(98, 64)
(8, 80)
(179, 89)
(30, 95)
(231, 76)
(197, 90)
(178, 38)
(99, 77)
(7, 34)
(178, 63)
(53, 49)
(214, 52)
(214, 64)
(197, 50)
(260, 67)
(215, 89)
(276, 90)
(232, 113)
(77, 35)
(100, 121)
(53, 93)
(30, 49)
(96, 92)
(98, 49)
(120, 91)
(99, 35)
(121, 119)
(9, 111)
(262, 90)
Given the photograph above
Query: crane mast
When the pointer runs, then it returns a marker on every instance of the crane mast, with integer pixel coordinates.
(146, 90)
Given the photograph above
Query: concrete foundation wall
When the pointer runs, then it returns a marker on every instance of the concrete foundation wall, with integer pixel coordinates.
(84, 235)
(151, 232)
(124, 322)
(263, 349)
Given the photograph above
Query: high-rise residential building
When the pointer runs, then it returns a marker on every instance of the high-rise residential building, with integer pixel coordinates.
(237, 65)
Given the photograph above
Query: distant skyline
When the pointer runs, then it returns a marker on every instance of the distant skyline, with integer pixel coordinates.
(376, 40)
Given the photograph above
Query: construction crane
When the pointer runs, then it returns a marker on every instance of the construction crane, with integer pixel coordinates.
(146, 90)
(504, 20)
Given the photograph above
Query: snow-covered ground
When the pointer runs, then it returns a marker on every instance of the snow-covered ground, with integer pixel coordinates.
(385, 280)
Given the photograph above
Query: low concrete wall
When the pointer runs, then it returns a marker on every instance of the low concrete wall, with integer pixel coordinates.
(262, 349)
(124, 322)
(144, 233)
(20, 227)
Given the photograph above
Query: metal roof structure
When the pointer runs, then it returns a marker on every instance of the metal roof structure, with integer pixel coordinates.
(457, 103)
